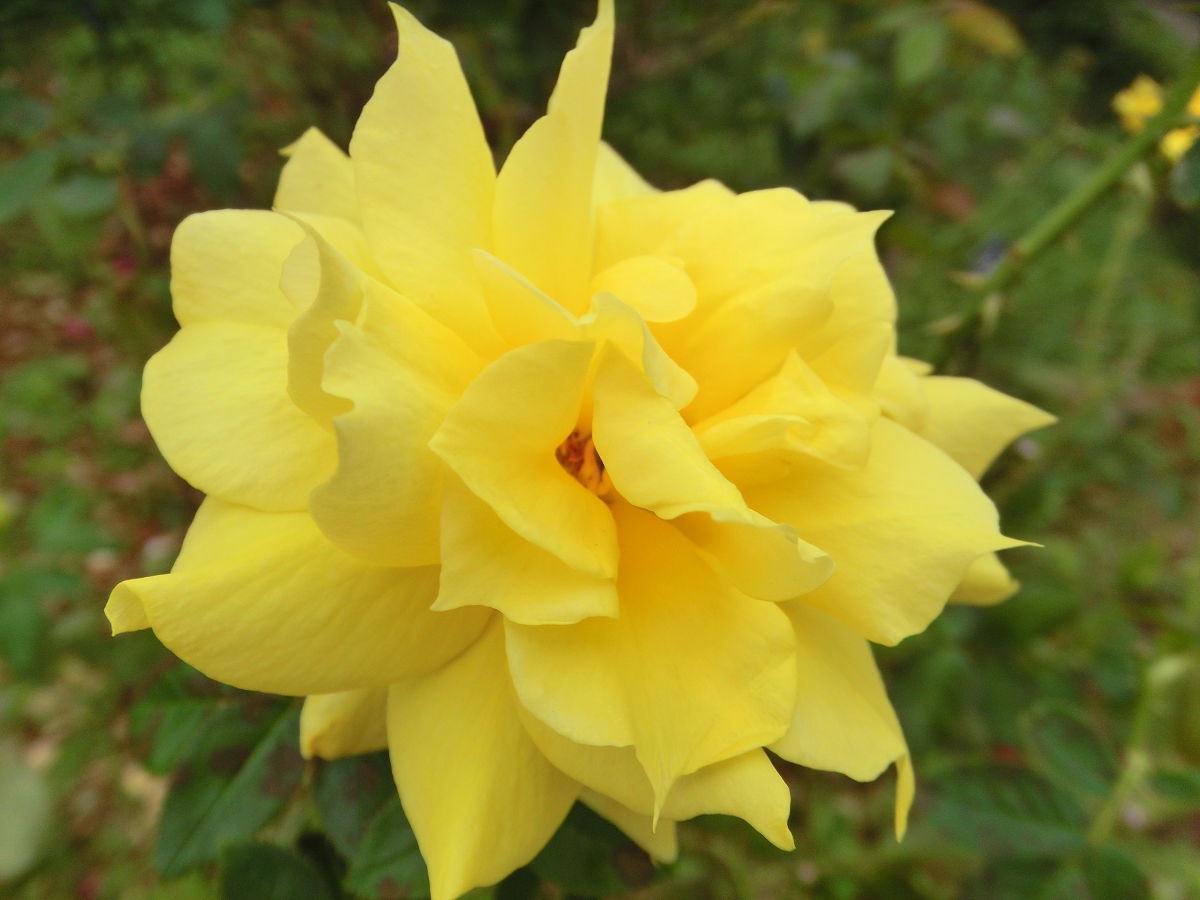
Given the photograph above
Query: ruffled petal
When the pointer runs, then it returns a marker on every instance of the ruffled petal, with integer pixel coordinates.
(227, 379)
(481, 798)
(425, 180)
(344, 724)
(972, 422)
(656, 286)
(263, 602)
(501, 436)
(522, 312)
(682, 632)
(317, 178)
(486, 563)
(543, 209)
(985, 583)
(225, 267)
(656, 463)
(746, 786)
(636, 225)
(901, 531)
(616, 179)
(658, 840)
(402, 370)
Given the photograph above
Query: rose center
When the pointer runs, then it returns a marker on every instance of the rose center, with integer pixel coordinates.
(577, 454)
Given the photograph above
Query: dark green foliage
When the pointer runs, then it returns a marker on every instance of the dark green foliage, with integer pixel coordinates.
(1056, 736)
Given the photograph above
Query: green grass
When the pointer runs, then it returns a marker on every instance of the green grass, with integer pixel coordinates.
(1057, 736)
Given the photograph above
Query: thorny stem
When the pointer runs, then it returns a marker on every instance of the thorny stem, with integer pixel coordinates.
(1062, 216)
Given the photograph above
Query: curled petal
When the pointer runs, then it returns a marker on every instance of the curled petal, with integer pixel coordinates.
(746, 786)
(225, 268)
(681, 632)
(657, 839)
(656, 286)
(227, 379)
(985, 583)
(317, 178)
(481, 797)
(543, 210)
(402, 370)
(640, 224)
(425, 180)
(901, 531)
(972, 422)
(263, 602)
(486, 563)
(344, 724)
(501, 436)
(843, 720)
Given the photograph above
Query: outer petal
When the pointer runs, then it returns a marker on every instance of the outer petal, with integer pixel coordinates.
(500, 439)
(402, 370)
(843, 720)
(985, 583)
(225, 267)
(485, 563)
(216, 400)
(682, 633)
(317, 178)
(344, 724)
(425, 179)
(901, 531)
(746, 786)
(543, 214)
(657, 840)
(973, 423)
(481, 798)
(263, 602)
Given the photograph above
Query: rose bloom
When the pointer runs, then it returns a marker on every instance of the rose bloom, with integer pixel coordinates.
(559, 487)
(1142, 101)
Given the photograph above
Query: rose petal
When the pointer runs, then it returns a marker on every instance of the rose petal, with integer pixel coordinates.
(344, 724)
(481, 798)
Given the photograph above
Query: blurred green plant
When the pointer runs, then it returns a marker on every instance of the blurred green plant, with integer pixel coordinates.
(1058, 734)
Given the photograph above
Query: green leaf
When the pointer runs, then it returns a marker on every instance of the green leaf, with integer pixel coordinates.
(1069, 750)
(257, 871)
(61, 521)
(85, 196)
(25, 822)
(1111, 874)
(244, 771)
(349, 794)
(180, 708)
(24, 179)
(1185, 178)
(919, 52)
(1007, 812)
(1179, 785)
(388, 861)
(579, 858)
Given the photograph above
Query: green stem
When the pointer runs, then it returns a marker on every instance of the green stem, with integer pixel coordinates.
(1062, 216)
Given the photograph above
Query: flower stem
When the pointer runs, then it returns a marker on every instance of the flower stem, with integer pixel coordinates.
(1062, 216)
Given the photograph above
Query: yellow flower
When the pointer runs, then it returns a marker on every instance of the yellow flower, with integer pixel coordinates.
(1142, 101)
(558, 486)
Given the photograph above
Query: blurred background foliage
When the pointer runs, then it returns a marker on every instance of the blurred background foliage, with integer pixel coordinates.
(1057, 736)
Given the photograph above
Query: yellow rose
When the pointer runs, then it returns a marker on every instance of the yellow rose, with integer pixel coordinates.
(1142, 101)
(558, 486)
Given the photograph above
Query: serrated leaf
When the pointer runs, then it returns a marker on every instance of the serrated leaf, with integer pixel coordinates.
(1008, 812)
(1069, 750)
(257, 871)
(1185, 178)
(349, 794)
(24, 179)
(244, 773)
(388, 859)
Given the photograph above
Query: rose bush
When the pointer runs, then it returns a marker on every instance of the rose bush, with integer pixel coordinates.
(559, 487)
